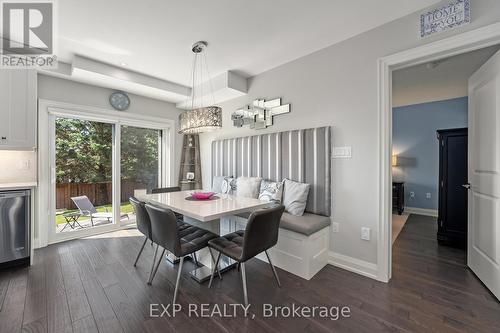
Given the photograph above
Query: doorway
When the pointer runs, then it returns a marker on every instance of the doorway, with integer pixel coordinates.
(459, 44)
(97, 159)
(429, 138)
(86, 190)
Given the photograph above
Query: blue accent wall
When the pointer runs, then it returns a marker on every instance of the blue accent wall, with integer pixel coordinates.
(415, 143)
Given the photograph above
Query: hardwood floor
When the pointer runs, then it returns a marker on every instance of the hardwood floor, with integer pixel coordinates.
(90, 285)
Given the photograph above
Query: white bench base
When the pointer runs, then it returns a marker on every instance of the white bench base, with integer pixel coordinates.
(295, 253)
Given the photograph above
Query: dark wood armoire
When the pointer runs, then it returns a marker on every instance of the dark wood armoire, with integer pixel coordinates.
(452, 217)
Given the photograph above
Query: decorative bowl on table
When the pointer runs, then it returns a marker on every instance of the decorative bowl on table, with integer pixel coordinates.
(202, 195)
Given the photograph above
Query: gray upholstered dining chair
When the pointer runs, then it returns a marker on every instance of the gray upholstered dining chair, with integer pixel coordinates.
(181, 239)
(260, 234)
(165, 190)
(143, 222)
(179, 216)
(169, 190)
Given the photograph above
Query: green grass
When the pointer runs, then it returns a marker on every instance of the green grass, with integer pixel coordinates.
(125, 208)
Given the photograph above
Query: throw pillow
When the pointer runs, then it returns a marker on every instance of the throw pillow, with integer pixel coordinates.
(248, 187)
(295, 197)
(271, 191)
(228, 185)
(217, 184)
(223, 184)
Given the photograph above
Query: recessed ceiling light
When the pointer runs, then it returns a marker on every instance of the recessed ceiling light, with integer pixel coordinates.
(123, 64)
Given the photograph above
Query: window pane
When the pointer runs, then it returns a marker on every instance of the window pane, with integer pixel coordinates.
(83, 152)
(140, 161)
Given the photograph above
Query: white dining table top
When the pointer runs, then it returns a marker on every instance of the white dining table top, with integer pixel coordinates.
(203, 210)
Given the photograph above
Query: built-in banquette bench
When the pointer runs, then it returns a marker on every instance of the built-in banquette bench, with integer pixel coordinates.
(299, 155)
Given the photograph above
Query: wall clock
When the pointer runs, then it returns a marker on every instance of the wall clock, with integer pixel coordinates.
(119, 100)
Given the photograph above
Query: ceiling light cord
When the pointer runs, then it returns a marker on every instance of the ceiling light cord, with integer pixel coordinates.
(197, 74)
(209, 79)
(191, 94)
(203, 118)
(201, 81)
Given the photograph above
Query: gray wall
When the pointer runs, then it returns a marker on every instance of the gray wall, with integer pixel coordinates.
(67, 91)
(337, 86)
(415, 143)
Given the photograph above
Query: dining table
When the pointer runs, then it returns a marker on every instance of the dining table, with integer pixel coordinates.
(206, 214)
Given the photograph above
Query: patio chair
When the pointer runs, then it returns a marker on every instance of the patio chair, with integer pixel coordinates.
(86, 208)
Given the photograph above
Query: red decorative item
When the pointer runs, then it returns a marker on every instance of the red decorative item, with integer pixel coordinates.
(202, 195)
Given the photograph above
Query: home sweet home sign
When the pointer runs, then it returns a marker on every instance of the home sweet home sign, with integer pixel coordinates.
(452, 15)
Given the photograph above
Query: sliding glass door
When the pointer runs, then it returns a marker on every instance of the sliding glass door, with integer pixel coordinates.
(97, 165)
(84, 173)
(140, 163)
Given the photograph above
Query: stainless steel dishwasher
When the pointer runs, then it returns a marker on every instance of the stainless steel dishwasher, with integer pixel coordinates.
(14, 227)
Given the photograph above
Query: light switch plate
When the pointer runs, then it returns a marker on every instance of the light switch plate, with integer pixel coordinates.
(342, 152)
(365, 233)
(335, 227)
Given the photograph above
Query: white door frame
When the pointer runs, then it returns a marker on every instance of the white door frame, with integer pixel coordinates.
(47, 110)
(458, 44)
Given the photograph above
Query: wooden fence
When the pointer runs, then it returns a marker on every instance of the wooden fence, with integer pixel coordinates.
(98, 193)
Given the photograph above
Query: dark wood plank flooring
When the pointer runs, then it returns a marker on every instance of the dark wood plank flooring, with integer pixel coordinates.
(90, 285)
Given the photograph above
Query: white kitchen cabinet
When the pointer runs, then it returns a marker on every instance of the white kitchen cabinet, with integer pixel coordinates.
(18, 109)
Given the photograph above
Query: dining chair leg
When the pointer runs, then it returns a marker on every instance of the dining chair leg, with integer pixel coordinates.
(195, 259)
(244, 279)
(274, 269)
(140, 252)
(157, 265)
(214, 269)
(153, 265)
(213, 261)
(178, 279)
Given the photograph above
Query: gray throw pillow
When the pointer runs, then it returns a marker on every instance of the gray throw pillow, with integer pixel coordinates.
(224, 184)
(271, 191)
(295, 197)
(248, 187)
(228, 185)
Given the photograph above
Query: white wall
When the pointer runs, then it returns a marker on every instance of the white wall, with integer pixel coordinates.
(337, 86)
(62, 90)
(421, 84)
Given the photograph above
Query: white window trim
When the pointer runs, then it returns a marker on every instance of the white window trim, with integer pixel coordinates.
(47, 109)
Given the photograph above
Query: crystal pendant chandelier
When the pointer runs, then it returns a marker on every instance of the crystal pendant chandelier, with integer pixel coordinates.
(200, 118)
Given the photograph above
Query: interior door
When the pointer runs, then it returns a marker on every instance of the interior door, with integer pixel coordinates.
(483, 249)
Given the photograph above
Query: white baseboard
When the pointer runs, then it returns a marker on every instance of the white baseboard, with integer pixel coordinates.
(421, 211)
(354, 265)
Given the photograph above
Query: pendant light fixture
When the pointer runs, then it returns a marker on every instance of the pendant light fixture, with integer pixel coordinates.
(200, 118)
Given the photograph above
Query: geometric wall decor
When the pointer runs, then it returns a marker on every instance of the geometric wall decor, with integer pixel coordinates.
(259, 114)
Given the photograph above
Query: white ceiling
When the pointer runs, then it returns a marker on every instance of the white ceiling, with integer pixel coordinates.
(154, 37)
(442, 80)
